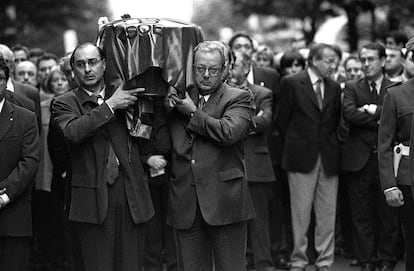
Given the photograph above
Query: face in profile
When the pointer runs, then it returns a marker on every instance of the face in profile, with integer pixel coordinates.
(327, 64)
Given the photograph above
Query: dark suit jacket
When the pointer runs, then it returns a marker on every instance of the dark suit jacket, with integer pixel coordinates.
(86, 127)
(258, 164)
(363, 128)
(308, 131)
(395, 128)
(207, 161)
(33, 94)
(20, 100)
(19, 156)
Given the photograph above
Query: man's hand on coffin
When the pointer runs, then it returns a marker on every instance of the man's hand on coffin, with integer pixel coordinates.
(185, 106)
(121, 98)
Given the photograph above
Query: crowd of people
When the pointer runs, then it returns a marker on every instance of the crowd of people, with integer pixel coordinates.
(269, 161)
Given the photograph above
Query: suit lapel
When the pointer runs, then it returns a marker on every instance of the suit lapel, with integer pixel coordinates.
(6, 119)
(308, 88)
(215, 97)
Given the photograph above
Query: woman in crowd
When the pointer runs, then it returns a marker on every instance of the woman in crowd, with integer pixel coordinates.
(292, 62)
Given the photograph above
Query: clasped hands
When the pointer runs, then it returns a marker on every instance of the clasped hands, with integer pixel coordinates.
(368, 108)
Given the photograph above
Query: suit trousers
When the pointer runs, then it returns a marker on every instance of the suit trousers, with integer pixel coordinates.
(203, 244)
(162, 237)
(14, 253)
(118, 243)
(258, 228)
(318, 191)
(375, 224)
(407, 218)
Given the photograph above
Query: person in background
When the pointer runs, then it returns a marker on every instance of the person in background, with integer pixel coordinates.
(292, 62)
(353, 68)
(395, 138)
(26, 73)
(374, 224)
(264, 57)
(19, 156)
(408, 63)
(396, 39)
(308, 118)
(20, 52)
(34, 54)
(259, 169)
(394, 64)
(45, 64)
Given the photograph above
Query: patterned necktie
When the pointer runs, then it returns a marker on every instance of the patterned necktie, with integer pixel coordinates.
(374, 92)
(201, 103)
(318, 92)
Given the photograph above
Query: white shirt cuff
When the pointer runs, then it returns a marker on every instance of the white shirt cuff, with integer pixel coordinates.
(5, 198)
(390, 189)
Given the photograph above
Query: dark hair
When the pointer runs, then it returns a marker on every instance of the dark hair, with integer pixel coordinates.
(316, 51)
(349, 58)
(36, 52)
(291, 56)
(374, 46)
(19, 47)
(337, 50)
(238, 35)
(46, 56)
(4, 67)
(398, 36)
(72, 57)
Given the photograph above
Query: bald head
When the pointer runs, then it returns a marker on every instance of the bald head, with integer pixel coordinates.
(26, 73)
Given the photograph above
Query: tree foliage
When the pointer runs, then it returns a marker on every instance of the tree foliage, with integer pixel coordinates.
(41, 23)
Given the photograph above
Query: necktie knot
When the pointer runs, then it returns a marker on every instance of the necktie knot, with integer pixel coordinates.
(201, 102)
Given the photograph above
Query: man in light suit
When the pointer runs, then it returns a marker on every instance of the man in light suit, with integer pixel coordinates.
(110, 199)
(362, 109)
(259, 168)
(308, 116)
(209, 199)
(19, 156)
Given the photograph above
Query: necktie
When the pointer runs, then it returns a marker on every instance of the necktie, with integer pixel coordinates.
(374, 92)
(201, 102)
(112, 167)
(99, 99)
(318, 92)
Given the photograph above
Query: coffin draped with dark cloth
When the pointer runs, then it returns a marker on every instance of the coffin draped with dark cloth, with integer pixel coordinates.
(153, 54)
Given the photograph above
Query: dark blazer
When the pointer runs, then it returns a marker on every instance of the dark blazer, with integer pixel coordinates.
(33, 94)
(363, 128)
(86, 127)
(267, 77)
(20, 100)
(19, 156)
(395, 128)
(207, 160)
(258, 164)
(307, 130)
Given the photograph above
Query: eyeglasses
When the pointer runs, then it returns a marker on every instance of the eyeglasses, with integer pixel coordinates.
(92, 62)
(330, 61)
(213, 71)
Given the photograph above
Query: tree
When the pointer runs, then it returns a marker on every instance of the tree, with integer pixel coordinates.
(41, 23)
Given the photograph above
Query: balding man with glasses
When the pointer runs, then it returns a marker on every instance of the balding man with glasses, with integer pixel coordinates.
(110, 199)
(209, 198)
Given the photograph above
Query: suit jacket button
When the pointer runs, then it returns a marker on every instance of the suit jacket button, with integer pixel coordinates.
(193, 161)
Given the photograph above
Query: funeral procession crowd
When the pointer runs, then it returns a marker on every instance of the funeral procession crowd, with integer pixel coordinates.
(264, 161)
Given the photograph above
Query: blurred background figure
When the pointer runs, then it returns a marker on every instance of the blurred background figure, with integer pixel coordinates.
(264, 57)
(45, 64)
(26, 73)
(394, 64)
(353, 68)
(21, 53)
(396, 39)
(34, 54)
(292, 62)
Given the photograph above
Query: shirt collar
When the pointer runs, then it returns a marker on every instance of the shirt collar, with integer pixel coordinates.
(313, 76)
(250, 77)
(2, 104)
(90, 93)
(10, 85)
(378, 83)
(206, 97)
